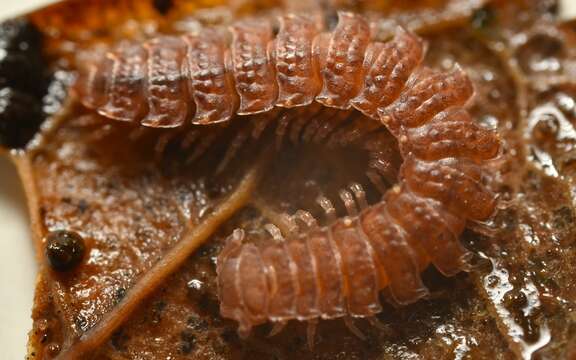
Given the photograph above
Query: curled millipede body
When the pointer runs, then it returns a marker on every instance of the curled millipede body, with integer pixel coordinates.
(335, 270)
(198, 76)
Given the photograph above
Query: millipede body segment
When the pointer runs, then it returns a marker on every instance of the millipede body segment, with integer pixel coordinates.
(335, 270)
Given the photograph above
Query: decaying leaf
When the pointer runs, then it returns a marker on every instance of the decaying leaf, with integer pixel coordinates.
(139, 197)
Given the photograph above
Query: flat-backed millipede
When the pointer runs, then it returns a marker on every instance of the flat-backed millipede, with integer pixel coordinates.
(339, 269)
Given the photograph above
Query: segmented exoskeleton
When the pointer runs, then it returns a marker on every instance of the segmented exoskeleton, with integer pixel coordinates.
(339, 269)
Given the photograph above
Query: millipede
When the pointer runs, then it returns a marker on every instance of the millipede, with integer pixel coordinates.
(314, 271)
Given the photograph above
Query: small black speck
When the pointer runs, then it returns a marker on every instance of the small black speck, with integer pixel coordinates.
(157, 310)
(550, 6)
(163, 6)
(119, 340)
(206, 250)
(229, 335)
(81, 322)
(187, 341)
(196, 323)
(483, 18)
(82, 206)
(275, 29)
(120, 293)
(298, 341)
(563, 217)
(331, 19)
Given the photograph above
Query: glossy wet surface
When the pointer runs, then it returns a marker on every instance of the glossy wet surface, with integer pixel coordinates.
(131, 208)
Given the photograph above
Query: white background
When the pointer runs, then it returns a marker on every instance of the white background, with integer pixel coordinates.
(17, 264)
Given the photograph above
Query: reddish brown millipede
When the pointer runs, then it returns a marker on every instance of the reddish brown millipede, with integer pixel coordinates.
(335, 270)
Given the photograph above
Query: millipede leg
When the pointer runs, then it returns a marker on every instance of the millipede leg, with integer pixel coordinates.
(376, 180)
(349, 202)
(382, 166)
(282, 128)
(162, 144)
(389, 298)
(349, 322)
(299, 124)
(483, 228)
(100, 133)
(373, 320)
(360, 195)
(343, 137)
(237, 237)
(232, 150)
(328, 208)
(290, 224)
(352, 133)
(504, 204)
(314, 125)
(201, 148)
(277, 328)
(274, 232)
(328, 127)
(137, 133)
(282, 221)
(311, 332)
(259, 126)
(296, 128)
(306, 218)
(189, 139)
